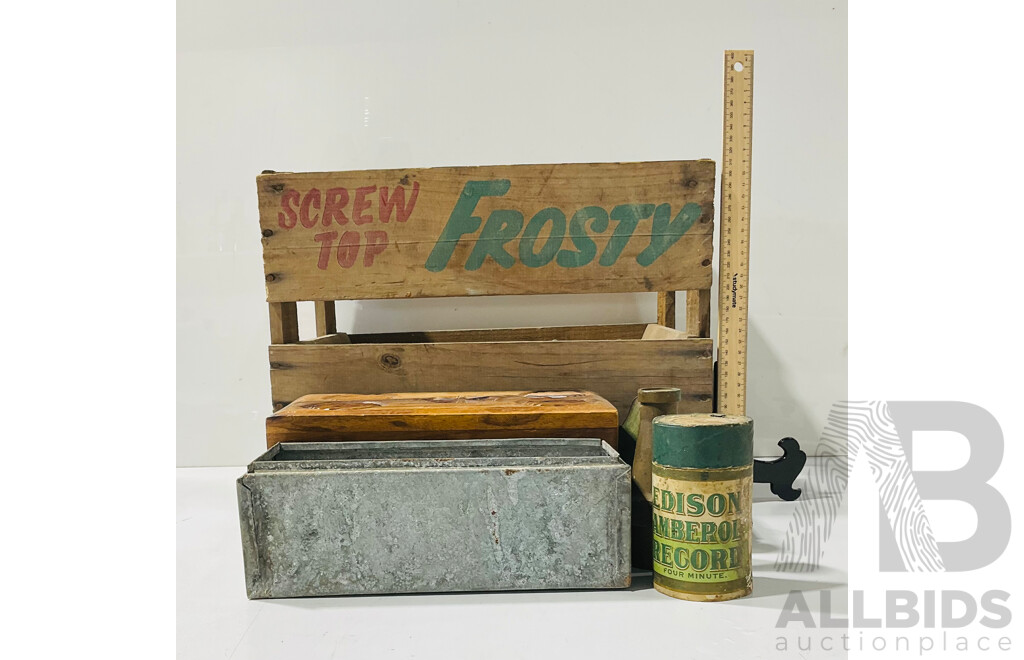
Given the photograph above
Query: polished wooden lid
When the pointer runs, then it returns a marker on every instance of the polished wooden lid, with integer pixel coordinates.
(444, 415)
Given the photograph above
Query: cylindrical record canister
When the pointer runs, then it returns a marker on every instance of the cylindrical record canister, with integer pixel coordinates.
(702, 479)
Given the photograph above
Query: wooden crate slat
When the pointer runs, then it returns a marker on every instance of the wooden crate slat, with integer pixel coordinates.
(580, 228)
(284, 323)
(557, 333)
(612, 369)
(698, 312)
(326, 322)
(667, 308)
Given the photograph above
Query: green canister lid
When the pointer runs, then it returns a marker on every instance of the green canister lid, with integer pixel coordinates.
(703, 441)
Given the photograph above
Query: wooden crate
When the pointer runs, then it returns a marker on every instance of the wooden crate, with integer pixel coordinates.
(468, 231)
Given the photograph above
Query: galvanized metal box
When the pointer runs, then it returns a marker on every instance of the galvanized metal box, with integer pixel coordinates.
(324, 519)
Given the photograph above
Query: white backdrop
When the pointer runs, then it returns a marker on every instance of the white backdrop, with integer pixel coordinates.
(321, 85)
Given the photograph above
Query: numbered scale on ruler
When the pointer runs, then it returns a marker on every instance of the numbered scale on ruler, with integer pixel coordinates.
(734, 251)
(734, 268)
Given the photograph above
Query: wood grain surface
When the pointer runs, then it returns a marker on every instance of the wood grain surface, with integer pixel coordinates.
(444, 415)
(614, 369)
(458, 231)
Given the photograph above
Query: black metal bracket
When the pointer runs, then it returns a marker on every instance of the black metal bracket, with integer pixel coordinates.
(783, 471)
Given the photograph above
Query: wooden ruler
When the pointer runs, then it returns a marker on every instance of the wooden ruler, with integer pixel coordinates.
(734, 251)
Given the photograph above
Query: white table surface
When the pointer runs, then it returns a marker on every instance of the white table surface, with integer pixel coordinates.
(215, 620)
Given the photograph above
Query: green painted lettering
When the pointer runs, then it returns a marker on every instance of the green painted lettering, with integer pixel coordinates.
(695, 504)
(554, 241)
(718, 556)
(462, 221)
(627, 216)
(586, 248)
(680, 557)
(707, 531)
(663, 527)
(677, 529)
(664, 234)
(734, 503)
(501, 227)
(716, 504)
(668, 500)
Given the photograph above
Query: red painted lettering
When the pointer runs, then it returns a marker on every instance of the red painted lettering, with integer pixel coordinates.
(312, 198)
(361, 204)
(336, 200)
(398, 200)
(348, 249)
(288, 219)
(325, 239)
(376, 241)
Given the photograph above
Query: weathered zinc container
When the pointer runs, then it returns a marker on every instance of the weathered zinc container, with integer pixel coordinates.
(325, 519)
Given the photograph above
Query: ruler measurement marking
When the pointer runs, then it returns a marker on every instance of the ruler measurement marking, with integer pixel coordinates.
(733, 272)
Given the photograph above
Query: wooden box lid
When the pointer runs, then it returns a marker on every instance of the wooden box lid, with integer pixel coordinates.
(444, 415)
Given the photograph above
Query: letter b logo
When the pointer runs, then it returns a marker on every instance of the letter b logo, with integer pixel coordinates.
(882, 432)
(967, 484)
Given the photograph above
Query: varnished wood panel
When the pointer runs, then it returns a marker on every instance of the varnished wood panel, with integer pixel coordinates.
(444, 415)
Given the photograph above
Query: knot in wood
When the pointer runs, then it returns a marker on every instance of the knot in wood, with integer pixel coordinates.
(390, 361)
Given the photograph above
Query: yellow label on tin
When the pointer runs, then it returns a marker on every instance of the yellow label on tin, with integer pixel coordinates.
(702, 529)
